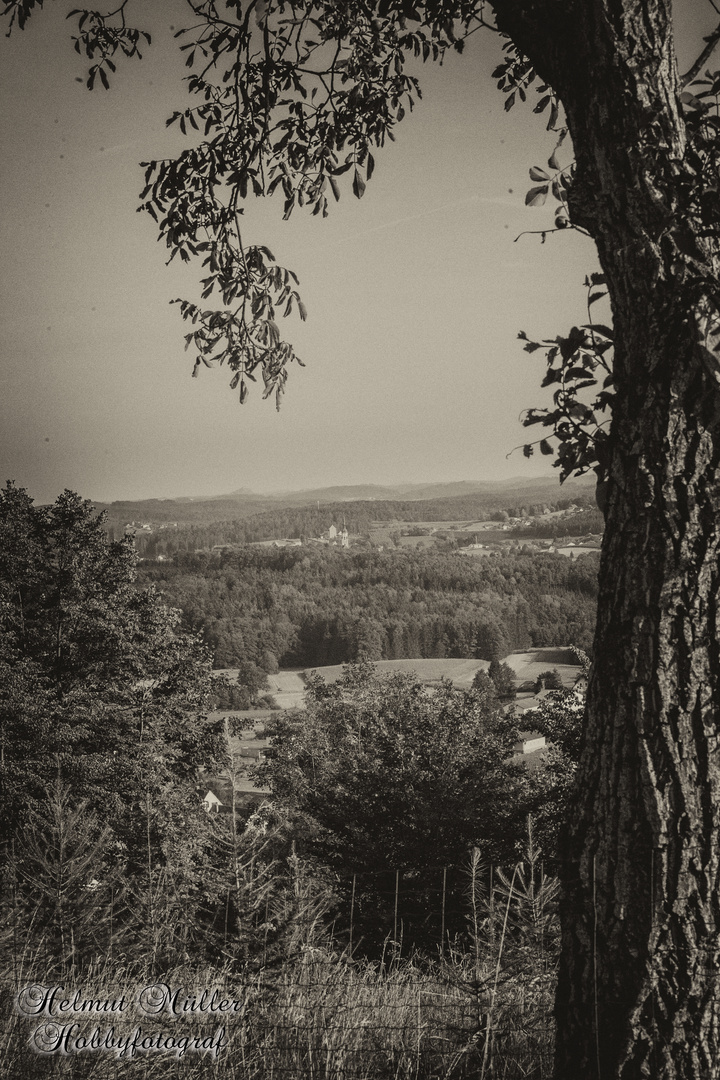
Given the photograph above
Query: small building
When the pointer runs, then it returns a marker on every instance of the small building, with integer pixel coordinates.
(253, 753)
(211, 803)
(217, 797)
(529, 742)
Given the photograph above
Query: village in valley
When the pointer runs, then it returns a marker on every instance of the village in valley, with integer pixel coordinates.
(536, 529)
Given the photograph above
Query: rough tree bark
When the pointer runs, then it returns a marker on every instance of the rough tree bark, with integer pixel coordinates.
(638, 993)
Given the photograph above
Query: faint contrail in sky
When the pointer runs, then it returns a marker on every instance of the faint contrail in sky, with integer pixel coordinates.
(497, 201)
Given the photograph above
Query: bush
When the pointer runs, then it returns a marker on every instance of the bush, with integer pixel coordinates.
(548, 680)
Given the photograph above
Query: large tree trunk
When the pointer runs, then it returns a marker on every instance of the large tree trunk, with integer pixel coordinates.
(639, 989)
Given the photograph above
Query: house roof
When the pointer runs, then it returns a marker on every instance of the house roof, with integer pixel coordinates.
(218, 787)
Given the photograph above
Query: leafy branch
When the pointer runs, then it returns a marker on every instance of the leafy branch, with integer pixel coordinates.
(292, 97)
(289, 99)
(100, 39)
(578, 366)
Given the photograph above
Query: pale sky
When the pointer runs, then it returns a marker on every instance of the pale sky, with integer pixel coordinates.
(415, 294)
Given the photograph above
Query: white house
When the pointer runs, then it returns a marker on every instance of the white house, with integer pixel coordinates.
(211, 802)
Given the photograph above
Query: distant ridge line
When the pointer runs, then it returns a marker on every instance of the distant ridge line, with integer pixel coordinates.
(502, 489)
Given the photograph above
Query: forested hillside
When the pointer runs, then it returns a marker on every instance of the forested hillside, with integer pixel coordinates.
(301, 607)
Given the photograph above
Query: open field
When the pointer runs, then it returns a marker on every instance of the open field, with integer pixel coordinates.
(528, 665)
(288, 687)
(493, 536)
(491, 530)
(460, 672)
(435, 526)
(416, 541)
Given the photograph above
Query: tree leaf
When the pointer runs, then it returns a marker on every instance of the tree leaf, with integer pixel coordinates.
(600, 328)
(358, 185)
(536, 196)
(692, 102)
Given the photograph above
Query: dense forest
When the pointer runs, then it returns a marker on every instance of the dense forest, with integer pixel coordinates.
(300, 607)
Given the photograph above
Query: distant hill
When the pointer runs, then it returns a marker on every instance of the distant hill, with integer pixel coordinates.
(459, 499)
(404, 492)
(186, 511)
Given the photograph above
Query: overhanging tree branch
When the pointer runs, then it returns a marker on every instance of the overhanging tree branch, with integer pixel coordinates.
(693, 72)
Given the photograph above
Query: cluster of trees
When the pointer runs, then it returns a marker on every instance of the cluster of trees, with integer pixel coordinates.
(368, 756)
(386, 779)
(248, 689)
(582, 499)
(301, 608)
(98, 677)
(502, 678)
(104, 738)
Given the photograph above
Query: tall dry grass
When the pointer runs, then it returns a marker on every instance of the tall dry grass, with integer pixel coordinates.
(483, 1009)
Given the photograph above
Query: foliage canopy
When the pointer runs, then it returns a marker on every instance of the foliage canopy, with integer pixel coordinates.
(398, 775)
